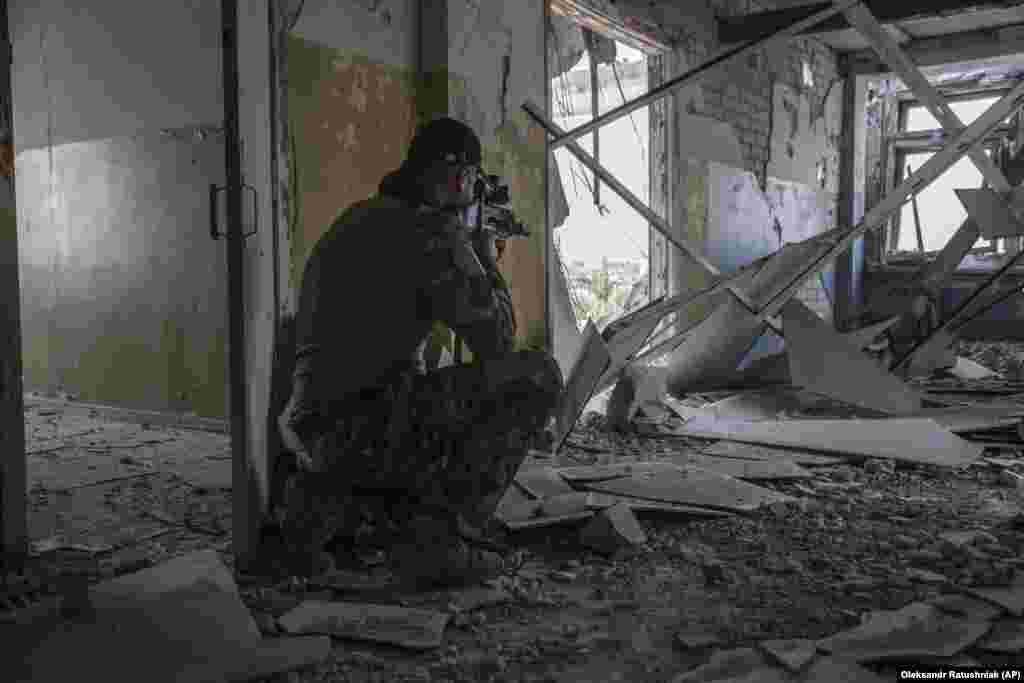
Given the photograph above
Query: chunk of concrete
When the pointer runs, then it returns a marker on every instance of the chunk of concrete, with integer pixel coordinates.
(565, 504)
(690, 487)
(612, 530)
(591, 362)
(917, 630)
(639, 385)
(1006, 637)
(822, 361)
(1010, 598)
(415, 629)
(542, 482)
(795, 654)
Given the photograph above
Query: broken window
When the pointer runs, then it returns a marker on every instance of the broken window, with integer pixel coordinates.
(602, 244)
(928, 220)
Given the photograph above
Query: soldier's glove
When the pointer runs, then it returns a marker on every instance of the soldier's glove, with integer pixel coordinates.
(486, 248)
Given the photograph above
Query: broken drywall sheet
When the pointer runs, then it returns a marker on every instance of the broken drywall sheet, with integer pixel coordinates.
(691, 487)
(911, 439)
(991, 212)
(591, 362)
(564, 328)
(802, 149)
(867, 335)
(709, 354)
(822, 361)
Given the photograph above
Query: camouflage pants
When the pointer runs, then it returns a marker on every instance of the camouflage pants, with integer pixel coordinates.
(450, 441)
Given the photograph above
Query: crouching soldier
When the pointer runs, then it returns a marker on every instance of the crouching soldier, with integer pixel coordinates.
(383, 443)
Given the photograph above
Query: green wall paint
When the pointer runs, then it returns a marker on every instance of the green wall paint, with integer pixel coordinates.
(123, 291)
(320, 95)
(696, 232)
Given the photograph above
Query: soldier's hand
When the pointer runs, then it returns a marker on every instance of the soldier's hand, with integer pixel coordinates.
(486, 248)
(306, 463)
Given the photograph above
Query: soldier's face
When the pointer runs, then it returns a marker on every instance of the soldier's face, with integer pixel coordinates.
(461, 181)
(451, 186)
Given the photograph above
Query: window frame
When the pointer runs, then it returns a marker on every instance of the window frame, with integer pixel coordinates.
(896, 147)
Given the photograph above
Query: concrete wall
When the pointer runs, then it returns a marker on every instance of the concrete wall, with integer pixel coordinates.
(496, 63)
(754, 155)
(113, 68)
(351, 110)
(116, 111)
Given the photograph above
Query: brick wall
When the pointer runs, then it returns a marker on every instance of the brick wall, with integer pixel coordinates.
(740, 93)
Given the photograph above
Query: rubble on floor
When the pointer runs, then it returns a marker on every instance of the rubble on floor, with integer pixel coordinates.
(645, 554)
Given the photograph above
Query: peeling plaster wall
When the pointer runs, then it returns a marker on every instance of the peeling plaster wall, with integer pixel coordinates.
(496, 59)
(351, 110)
(355, 99)
(755, 152)
(123, 297)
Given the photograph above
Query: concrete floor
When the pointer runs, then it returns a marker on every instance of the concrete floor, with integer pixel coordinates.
(124, 488)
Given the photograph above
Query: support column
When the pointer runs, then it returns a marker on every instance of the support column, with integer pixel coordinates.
(843, 308)
(13, 477)
(264, 277)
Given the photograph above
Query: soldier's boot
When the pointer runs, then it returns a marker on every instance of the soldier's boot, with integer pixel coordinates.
(435, 554)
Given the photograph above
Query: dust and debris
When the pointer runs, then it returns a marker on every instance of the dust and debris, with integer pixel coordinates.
(929, 557)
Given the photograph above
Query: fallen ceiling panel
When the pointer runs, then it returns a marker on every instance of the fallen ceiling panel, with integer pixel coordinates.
(590, 365)
(822, 361)
(691, 487)
(918, 440)
(866, 335)
(961, 419)
(992, 214)
(748, 470)
(750, 451)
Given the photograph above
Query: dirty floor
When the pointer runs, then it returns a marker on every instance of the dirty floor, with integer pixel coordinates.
(110, 498)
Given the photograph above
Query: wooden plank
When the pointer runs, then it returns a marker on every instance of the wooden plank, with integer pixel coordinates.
(415, 629)
(992, 214)
(700, 488)
(918, 440)
(822, 361)
(590, 365)
(749, 451)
